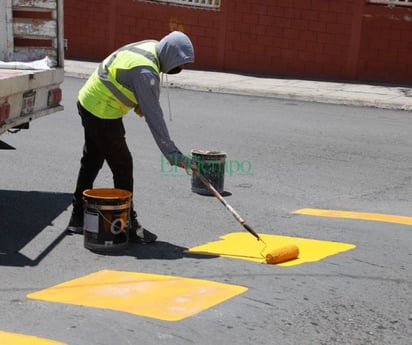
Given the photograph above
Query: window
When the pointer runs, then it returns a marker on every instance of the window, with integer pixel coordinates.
(212, 4)
(392, 2)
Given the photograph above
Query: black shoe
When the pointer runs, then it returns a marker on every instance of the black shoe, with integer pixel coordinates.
(75, 224)
(138, 234)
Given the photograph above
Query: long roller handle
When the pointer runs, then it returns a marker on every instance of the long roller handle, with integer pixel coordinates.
(207, 183)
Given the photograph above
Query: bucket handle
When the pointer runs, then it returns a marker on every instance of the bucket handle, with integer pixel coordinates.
(117, 228)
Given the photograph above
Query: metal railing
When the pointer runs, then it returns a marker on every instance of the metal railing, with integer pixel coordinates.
(211, 4)
(392, 2)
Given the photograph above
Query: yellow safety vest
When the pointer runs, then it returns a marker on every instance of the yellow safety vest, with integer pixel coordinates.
(102, 95)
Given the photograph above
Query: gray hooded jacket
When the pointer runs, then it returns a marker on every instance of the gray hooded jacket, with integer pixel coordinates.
(173, 50)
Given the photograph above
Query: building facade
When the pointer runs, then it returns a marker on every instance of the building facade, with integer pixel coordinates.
(354, 40)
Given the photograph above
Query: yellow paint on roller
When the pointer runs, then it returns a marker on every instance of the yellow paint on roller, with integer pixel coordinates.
(157, 296)
(282, 254)
(7, 338)
(241, 245)
(377, 217)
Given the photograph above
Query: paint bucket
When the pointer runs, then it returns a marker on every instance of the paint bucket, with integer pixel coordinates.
(106, 218)
(211, 164)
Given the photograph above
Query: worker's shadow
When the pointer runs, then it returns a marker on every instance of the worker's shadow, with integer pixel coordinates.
(158, 250)
(23, 216)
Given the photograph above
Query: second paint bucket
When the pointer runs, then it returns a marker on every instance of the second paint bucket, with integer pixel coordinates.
(211, 164)
(106, 218)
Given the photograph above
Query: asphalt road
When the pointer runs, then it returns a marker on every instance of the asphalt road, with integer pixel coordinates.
(286, 156)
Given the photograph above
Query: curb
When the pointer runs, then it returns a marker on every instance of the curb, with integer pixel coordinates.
(364, 95)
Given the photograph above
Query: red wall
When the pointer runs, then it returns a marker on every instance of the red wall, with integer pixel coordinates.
(386, 46)
(94, 28)
(325, 39)
(284, 37)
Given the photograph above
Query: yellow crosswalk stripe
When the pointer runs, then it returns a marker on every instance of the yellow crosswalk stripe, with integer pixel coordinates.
(377, 217)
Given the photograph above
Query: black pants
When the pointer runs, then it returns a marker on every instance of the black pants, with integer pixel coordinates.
(104, 140)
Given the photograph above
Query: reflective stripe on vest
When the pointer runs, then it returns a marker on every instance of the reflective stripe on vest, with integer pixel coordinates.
(103, 95)
(103, 72)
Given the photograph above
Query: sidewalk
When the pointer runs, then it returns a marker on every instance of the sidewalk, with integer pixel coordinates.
(384, 97)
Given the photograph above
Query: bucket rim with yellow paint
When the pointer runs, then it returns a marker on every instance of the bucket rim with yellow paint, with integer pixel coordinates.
(106, 218)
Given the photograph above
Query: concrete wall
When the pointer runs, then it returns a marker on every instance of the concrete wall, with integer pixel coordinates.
(323, 39)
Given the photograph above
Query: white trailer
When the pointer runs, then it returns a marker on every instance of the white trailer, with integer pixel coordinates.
(31, 61)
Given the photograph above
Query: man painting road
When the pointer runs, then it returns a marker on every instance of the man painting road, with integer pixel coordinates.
(129, 78)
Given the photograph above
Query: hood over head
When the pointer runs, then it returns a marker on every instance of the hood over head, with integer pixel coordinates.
(174, 50)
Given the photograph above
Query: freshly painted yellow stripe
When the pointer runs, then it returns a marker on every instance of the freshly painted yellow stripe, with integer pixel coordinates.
(161, 297)
(377, 217)
(7, 338)
(240, 245)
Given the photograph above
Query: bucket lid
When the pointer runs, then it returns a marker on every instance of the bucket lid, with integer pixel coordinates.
(107, 193)
(208, 153)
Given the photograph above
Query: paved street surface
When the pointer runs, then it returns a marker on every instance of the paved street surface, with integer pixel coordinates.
(287, 156)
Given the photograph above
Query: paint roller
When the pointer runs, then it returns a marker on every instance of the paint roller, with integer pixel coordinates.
(282, 254)
(276, 256)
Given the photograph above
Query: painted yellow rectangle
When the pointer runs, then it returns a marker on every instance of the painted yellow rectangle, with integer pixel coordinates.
(241, 245)
(7, 338)
(377, 217)
(161, 297)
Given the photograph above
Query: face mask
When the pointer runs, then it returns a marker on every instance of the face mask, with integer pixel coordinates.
(175, 70)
